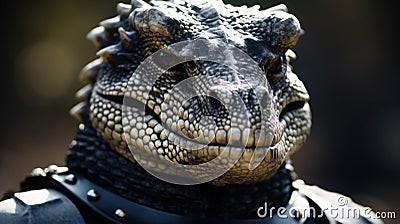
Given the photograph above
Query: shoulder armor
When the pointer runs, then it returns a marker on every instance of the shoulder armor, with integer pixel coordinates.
(308, 205)
(335, 207)
(39, 206)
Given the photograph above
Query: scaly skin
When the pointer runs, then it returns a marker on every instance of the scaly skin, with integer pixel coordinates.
(140, 29)
(126, 117)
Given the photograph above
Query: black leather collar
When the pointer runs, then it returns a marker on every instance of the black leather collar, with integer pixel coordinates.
(117, 209)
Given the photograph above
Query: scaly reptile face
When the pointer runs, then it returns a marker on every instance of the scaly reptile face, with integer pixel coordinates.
(172, 124)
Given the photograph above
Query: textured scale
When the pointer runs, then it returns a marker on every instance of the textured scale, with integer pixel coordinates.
(93, 157)
(140, 29)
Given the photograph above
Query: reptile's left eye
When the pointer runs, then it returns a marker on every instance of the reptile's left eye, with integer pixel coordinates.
(191, 66)
(275, 67)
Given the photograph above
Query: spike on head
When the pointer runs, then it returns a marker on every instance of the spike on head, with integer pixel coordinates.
(128, 39)
(139, 4)
(99, 37)
(286, 30)
(78, 111)
(124, 9)
(154, 21)
(110, 54)
(111, 23)
(280, 7)
(90, 72)
(84, 93)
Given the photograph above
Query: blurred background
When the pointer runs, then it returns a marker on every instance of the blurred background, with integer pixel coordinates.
(347, 59)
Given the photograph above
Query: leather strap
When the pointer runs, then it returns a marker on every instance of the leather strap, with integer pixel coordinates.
(117, 209)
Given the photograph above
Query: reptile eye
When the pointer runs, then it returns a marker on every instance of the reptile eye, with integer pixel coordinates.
(191, 66)
(274, 67)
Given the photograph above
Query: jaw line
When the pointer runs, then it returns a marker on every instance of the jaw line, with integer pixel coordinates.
(215, 149)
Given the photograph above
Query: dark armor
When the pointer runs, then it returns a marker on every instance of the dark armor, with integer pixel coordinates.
(67, 197)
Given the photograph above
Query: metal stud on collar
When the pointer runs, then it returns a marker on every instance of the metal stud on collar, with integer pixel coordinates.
(70, 179)
(120, 213)
(38, 172)
(52, 169)
(92, 195)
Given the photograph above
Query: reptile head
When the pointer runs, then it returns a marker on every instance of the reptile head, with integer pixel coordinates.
(170, 124)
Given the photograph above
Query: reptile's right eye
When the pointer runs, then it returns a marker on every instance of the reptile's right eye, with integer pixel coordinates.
(275, 67)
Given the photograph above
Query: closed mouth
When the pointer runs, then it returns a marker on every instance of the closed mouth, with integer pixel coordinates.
(296, 105)
(132, 103)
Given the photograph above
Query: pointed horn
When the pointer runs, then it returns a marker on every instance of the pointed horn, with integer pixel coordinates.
(280, 7)
(153, 20)
(256, 7)
(139, 4)
(111, 23)
(128, 39)
(291, 54)
(78, 111)
(99, 36)
(209, 12)
(124, 9)
(90, 71)
(285, 30)
(109, 53)
(115, 55)
(124, 36)
(84, 92)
